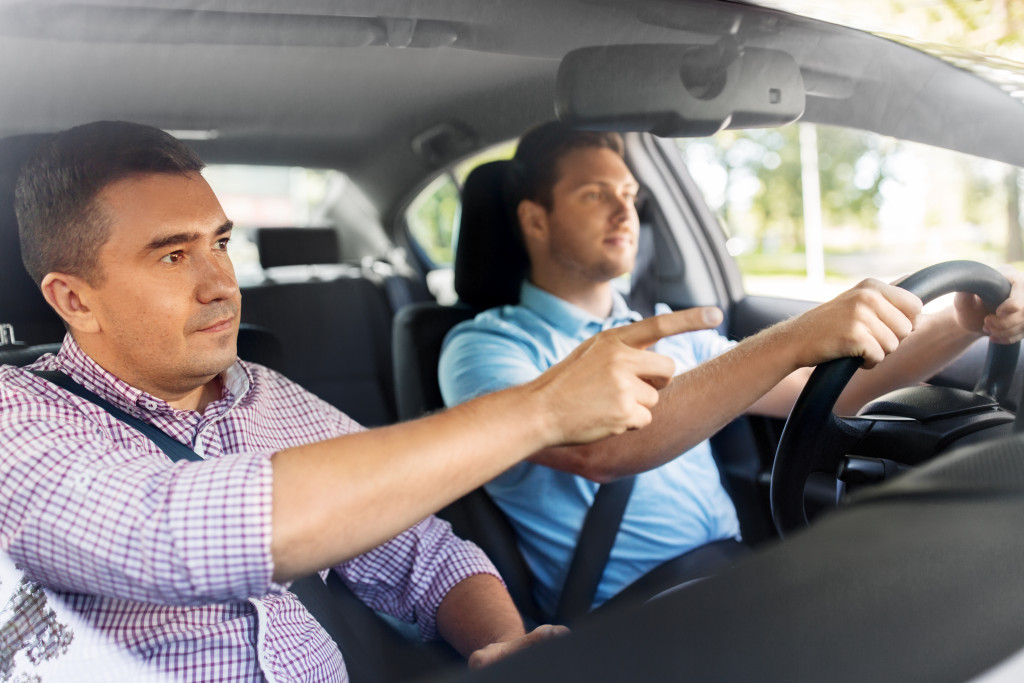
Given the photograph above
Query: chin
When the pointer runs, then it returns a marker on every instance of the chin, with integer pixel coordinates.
(213, 363)
(614, 270)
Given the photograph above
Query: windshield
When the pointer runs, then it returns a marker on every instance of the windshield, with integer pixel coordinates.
(810, 210)
(985, 37)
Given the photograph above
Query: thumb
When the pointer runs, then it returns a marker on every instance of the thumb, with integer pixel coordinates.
(642, 334)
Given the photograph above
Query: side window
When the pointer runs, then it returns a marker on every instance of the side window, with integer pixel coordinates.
(433, 218)
(811, 210)
(433, 214)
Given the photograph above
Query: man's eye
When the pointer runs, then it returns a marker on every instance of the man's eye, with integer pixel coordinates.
(222, 244)
(173, 257)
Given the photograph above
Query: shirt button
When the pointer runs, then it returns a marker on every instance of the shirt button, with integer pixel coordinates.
(83, 480)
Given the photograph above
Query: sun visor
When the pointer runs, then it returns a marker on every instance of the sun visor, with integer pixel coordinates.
(678, 90)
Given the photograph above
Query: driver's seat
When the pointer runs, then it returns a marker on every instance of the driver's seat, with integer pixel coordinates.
(490, 263)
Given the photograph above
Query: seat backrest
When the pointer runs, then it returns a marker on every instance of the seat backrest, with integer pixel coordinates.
(21, 304)
(333, 319)
(417, 334)
(419, 331)
(490, 263)
(336, 337)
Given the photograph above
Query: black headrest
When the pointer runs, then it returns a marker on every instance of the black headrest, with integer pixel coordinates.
(490, 259)
(297, 246)
(21, 303)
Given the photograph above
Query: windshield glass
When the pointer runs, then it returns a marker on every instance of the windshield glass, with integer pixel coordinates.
(985, 37)
(811, 210)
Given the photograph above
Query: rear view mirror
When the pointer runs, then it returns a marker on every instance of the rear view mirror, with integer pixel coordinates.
(678, 90)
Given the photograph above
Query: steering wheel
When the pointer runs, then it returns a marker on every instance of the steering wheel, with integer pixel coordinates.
(904, 427)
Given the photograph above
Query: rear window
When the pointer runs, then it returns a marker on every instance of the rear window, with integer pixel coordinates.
(268, 197)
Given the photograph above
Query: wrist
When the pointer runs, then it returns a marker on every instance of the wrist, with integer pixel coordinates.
(786, 344)
(953, 322)
(536, 408)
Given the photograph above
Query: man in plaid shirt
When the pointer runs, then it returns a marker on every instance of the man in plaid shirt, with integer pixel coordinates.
(186, 565)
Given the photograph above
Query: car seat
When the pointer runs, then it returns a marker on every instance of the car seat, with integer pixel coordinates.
(22, 306)
(334, 319)
(490, 263)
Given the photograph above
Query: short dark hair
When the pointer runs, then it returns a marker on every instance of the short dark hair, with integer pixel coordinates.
(535, 164)
(60, 226)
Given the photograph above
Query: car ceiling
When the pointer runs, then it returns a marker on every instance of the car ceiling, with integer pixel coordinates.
(352, 83)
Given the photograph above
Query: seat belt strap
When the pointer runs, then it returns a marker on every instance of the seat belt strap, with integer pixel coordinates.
(593, 547)
(174, 449)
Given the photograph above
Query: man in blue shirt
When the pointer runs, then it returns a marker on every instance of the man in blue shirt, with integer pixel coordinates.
(579, 225)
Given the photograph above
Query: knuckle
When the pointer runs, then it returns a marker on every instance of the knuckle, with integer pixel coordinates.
(868, 297)
(658, 325)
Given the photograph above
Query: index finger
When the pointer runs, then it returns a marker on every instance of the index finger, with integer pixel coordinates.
(642, 334)
(906, 301)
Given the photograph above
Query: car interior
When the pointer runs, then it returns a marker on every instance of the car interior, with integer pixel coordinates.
(897, 584)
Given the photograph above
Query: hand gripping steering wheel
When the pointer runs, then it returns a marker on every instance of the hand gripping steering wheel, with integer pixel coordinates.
(909, 425)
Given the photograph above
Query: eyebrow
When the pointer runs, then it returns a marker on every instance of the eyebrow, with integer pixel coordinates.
(603, 183)
(183, 237)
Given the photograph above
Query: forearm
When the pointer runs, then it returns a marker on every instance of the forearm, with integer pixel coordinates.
(936, 342)
(694, 406)
(390, 478)
(477, 612)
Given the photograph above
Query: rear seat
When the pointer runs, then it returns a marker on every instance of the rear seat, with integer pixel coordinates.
(334, 324)
(336, 337)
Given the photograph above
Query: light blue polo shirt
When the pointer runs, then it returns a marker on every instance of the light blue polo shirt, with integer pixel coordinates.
(673, 508)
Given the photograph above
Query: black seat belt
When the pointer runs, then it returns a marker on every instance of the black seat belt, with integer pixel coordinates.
(594, 545)
(314, 594)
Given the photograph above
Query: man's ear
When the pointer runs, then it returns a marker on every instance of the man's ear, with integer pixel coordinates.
(69, 296)
(533, 220)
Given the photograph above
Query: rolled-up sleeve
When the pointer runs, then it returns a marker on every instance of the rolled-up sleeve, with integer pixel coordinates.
(84, 514)
(410, 575)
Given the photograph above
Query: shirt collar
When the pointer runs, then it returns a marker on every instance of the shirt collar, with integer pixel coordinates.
(569, 318)
(77, 365)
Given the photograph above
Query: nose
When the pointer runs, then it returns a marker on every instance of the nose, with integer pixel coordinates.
(625, 209)
(215, 278)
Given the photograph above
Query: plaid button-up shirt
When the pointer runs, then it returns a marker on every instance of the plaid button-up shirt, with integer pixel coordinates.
(172, 560)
